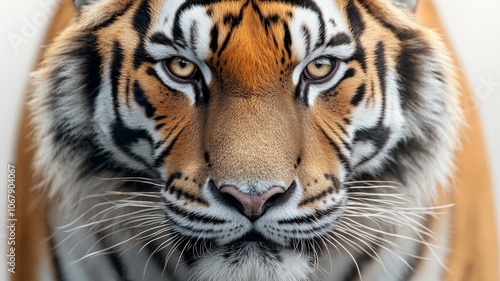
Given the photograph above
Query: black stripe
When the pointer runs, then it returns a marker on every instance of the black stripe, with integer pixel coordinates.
(340, 39)
(360, 55)
(358, 27)
(302, 92)
(88, 53)
(123, 136)
(141, 99)
(201, 90)
(342, 128)
(85, 147)
(113, 18)
(362, 260)
(160, 118)
(410, 71)
(344, 142)
(177, 31)
(355, 20)
(382, 76)
(174, 128)
(113, 257)
(160, 126)
(397, 29)
(349, 74)
(193, 217)
(214, 35)
(307, 37)
(287, 39)
(360, 93)
(311, 5)
(141, 56)
(142, 18)
(193, 36)
(152, 72)
(340, 155)
(141, 22)
(160, 159)
(266, 21)
(172, 178)
(328, 92)
(234, 20)
(116, 66)
(307, 219)
(162, 39)
(317, 197)
(378, 135)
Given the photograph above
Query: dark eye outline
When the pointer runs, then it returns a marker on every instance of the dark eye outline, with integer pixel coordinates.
(314, 79)
(166, 64)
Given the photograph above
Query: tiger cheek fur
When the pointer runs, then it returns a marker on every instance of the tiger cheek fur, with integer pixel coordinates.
(292, 146)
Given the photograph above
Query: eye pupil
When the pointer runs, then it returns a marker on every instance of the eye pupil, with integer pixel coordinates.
(180, 67)
(320, 68)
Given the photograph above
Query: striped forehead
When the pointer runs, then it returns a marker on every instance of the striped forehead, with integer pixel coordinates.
(185, 28)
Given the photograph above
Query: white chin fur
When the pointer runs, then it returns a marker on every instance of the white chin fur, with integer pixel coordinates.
(249, 264)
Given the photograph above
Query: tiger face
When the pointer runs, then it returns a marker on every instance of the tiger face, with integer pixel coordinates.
(252, 122)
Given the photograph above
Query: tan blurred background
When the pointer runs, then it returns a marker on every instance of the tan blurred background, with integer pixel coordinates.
(472, 28)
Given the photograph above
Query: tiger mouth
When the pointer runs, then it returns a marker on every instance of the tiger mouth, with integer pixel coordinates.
(253, 236)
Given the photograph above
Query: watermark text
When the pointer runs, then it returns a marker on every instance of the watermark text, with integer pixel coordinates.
(12, 218)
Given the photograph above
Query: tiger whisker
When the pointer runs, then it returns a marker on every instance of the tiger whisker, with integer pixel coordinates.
(91, 209)
(379, 201)
(374, 255)
(118, 243)
(97, 222)
(171, 252)
(332, 240)
(89, 235)
(135, 179)
(390, 233)
(381, 243)
(387, 183)
(180, 256)
(158, 248)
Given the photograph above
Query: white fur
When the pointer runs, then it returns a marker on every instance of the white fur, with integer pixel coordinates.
(59, 167)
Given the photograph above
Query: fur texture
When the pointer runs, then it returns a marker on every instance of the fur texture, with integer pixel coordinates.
(139, 157)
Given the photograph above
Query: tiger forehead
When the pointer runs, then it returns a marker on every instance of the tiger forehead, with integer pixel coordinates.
(250, 45)
(272, 30)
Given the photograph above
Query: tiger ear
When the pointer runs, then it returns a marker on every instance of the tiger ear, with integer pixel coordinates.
(80, 3)
(408, 5)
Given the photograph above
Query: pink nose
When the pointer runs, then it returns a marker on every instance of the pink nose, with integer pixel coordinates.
(253, 205)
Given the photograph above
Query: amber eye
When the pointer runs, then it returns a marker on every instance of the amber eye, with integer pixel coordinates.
(320, 68)
(180, 67)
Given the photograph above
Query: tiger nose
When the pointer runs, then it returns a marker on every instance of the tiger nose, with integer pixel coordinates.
(253, 206)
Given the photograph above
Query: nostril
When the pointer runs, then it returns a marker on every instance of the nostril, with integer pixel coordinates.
(231, 201)
(253, 206)
(271, 201)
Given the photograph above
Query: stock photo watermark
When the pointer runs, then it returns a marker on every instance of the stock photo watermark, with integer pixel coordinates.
(32, 25)
(11, 218)
(487, 87)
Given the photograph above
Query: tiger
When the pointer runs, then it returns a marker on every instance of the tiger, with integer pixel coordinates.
(272, 140)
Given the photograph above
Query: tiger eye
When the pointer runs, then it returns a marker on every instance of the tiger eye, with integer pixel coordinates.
(319, 68)
(181, 67)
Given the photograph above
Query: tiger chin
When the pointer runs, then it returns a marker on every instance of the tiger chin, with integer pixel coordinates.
(274, 140)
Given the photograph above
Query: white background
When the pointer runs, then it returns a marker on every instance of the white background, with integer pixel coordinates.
(473, 27)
